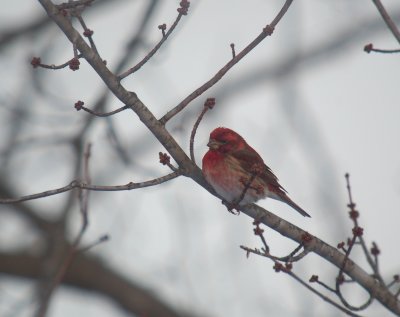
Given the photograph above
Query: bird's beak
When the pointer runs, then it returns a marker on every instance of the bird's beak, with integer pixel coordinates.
(213, 145)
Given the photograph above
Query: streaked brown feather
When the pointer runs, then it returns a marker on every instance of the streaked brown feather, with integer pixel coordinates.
(230, 160)
(248, 159)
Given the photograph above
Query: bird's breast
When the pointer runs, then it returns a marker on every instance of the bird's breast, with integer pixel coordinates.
(225, 174)
(215, 169)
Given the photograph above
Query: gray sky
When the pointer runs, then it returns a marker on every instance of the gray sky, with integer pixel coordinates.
(332, 109)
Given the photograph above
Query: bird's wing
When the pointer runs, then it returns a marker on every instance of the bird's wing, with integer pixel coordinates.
(248, 159)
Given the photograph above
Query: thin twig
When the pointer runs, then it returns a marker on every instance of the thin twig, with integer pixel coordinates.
(153, 51)
(357, 233)
(327, 287)
(325, 298)
(209, 104)
(233, 50)
(247, 186)
(267, 31)
(298, 279)
(260, 232)
(72, 252)
(394, 281)
(165, 159)
(288, 258)
(339, 281)
(87, 32)
(82, 185)
(100, 114)
(37, 63)
(102, 239)
(84, 195)
(294, 258)
(193, 134)
(231, 205)
(388, 20)
(370, 261)
(378, 50)
(59, 276)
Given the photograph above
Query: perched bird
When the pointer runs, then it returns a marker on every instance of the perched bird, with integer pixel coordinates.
(238, 173)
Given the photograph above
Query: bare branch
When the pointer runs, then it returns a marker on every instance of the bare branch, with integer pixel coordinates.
(354, 214)
(388, 20)
(326, 251)
(267, 31)
(36, 62)
(189, 169)
(209, 104)
(84, 196)
(79, 106)
(100, 240)
(154, 50)
(325, 298)
(86, 31)
(82, 185)
(370, 48)
(233, 50)
(127, 98)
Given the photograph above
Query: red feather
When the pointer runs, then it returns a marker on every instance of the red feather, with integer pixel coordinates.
(231, 163)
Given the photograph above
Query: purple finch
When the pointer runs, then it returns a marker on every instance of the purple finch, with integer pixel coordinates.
(238, 173)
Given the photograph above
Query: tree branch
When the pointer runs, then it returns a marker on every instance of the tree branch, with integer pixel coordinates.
(153, 51)
(388, 20)
(329, 253)
(126, 97)
(157, 127)
(267, 31)
(89, 273)
(82, 185)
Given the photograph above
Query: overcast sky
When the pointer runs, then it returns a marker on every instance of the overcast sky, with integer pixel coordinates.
(308, 99)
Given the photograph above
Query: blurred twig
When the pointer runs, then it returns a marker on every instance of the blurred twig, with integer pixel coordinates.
(388, 20)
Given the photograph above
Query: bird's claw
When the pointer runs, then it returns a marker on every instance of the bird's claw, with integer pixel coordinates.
(231, 207)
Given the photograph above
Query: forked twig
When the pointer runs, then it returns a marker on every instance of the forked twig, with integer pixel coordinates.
(157, 47)
(79, 106)
(267, 31)
(82, 185)
(73, 249)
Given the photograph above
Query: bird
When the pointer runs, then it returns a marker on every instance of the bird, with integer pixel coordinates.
(238, 174)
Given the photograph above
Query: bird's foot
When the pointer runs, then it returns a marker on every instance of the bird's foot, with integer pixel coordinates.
(233, 207)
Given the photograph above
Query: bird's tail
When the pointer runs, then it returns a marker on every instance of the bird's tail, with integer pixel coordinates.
(292, 204)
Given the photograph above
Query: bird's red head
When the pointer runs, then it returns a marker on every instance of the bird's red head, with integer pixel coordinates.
(225, 140)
